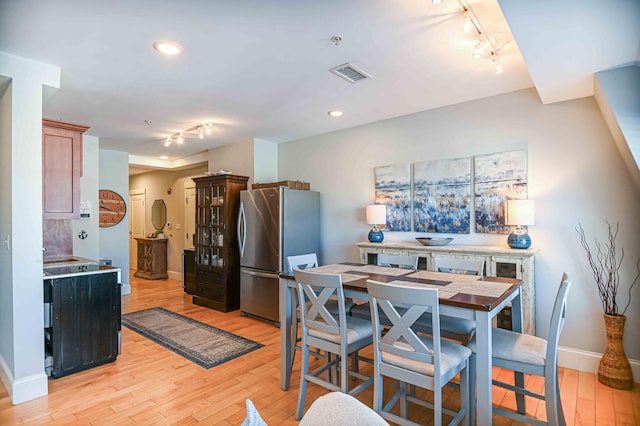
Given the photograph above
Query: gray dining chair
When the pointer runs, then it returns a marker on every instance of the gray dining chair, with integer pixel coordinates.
(459, 266)
(414, 360)
(524, 353)
(303, 262)
(339, 335)
(398, 261)
(458, 329)
(363, 310)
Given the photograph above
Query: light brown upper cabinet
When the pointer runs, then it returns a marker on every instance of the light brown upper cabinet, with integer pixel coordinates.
(61, 169)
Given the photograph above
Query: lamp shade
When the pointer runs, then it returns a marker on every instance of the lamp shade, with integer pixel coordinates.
(520, 212)
(376, 214)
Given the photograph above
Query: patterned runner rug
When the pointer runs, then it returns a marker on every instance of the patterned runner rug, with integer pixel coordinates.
(200, 343)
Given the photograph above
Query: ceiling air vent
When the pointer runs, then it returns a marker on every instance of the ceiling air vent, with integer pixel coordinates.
(350, 73)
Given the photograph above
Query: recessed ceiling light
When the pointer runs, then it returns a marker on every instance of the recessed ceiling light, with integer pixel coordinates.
(164, 157)
(335, 113)
(168, 47)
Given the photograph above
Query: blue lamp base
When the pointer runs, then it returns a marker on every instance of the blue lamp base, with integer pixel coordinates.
(519, 239)
(376, 235)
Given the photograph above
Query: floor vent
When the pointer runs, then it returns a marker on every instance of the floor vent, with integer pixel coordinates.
(350, 73)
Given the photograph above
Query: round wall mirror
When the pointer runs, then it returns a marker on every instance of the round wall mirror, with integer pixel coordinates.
(159, 215)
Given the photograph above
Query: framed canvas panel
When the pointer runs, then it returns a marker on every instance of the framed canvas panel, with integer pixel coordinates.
(393, 188)
(498, 177)
(442, 196)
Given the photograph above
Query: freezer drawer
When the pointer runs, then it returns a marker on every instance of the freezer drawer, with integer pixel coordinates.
(259, 294)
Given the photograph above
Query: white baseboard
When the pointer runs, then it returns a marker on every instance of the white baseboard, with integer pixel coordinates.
(125, 289)
(174, 275)
(577, 359)
(24, 389)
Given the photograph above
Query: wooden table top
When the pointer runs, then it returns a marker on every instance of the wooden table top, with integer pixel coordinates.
(466, 291)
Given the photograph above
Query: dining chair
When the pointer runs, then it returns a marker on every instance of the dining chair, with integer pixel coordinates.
(527, 354)
(458, 329)
(413, 359)
(459, 266)
(303, 262)
(339, 335)
(363, 310)
(398, 261)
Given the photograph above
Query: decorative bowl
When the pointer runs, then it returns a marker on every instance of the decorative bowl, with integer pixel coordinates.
(428, 241)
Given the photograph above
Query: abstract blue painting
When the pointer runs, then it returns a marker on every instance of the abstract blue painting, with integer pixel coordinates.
(393, 188)
(498, 178)
(442, 196)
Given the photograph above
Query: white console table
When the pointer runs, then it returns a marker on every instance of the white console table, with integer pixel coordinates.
(499, 262)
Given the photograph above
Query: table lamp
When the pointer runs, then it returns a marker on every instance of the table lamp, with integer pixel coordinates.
(520, 213)
(376, 215)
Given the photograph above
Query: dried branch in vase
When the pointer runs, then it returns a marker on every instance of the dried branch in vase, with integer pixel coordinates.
(606, 268)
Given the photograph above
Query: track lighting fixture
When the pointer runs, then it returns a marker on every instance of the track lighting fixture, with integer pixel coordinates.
(199, 130)
(497, 63)
(485, 42)
(467, 22)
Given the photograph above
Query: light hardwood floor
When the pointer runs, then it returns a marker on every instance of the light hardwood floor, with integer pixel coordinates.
(149, 384)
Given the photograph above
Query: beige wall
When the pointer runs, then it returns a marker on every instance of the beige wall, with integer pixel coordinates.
(156, 185)
(236, 158)
(576, 175)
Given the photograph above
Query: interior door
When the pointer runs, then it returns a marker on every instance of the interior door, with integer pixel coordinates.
(189, 214)
(136, 224)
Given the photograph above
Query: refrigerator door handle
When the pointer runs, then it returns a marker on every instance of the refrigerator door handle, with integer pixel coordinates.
(242, 229)
(259, 274)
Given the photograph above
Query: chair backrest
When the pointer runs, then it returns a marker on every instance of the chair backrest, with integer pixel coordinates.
(314, 291)
(557, 319)
(303, 261)
(401, 340)
(397, 261)
(459, 266)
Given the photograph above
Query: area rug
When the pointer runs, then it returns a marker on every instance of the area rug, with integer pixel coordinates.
(200, 343)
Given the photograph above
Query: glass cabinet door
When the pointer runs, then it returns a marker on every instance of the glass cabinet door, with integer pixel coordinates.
(203, 220)
(211, 229)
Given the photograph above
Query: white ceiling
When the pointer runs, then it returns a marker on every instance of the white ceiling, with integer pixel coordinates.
(259, 69)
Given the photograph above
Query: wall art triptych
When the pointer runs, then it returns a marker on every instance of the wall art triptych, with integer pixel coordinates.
(436, 197)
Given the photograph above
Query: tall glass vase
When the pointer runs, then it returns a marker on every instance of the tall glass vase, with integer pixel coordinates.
(615, 370)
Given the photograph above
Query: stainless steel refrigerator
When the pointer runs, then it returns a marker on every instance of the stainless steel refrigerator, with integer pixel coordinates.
(273, 223)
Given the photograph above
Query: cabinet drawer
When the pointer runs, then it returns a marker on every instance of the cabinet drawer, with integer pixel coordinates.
(210, 285)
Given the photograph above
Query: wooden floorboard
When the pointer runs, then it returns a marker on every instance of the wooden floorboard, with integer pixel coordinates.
(150, 385)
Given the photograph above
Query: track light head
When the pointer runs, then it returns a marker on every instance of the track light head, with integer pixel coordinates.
(467, 22)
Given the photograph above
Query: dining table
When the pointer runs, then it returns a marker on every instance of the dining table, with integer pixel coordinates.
(473, 297)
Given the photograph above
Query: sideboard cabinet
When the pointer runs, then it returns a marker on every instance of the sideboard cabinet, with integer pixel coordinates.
(498, 261)
(152, 258)
(61, 169)
(217, 257)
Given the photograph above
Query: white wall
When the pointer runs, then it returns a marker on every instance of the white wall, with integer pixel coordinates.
(576, 175)
(114, 240)
(21, 313)
(617, 92)
(89, 247)
(236, 158)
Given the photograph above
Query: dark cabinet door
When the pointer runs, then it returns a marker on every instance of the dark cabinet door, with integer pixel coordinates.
(86, 322)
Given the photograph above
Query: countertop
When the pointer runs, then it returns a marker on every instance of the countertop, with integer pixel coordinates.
(77, 270)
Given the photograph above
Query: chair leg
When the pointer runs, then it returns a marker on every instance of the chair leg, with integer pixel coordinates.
(555, 417)
(518, 378)
(304, 370)
(472, 389)
(377, 391)
(404, 402)
(344, 372)
(465, 394)
(437, 406)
